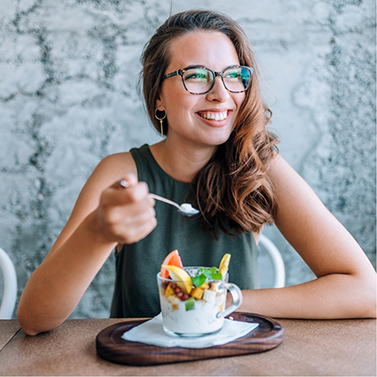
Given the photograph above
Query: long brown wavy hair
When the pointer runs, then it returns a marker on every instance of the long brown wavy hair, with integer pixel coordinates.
(232, 190)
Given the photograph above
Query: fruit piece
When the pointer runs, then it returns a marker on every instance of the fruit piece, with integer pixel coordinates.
(172, 259)
(169, 291)
(204, 286)
(209, 296)
(197, 293)
(180, 276)
(215, 286)
(190, 303)
(224, 264)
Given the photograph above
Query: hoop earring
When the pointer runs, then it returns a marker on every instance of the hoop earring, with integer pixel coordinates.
(160, 108)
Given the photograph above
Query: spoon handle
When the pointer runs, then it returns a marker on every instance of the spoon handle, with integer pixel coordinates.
(125, 184)
(160, 198)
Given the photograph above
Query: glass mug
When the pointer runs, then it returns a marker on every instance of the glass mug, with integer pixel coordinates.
(199, 313)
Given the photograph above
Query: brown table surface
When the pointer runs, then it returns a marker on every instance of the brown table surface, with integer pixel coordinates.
(309, 348)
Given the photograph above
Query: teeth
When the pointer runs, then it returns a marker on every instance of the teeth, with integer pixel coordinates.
(214, 116)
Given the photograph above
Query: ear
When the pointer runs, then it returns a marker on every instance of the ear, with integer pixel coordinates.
(159, 102)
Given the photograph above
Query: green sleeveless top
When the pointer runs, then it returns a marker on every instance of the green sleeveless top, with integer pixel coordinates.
(137, 265)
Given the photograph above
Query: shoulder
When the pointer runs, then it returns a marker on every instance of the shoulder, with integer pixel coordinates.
(296, 200)
(301, 216)
(287, 182)
(278, 167)
(118, 163)
(111, 169)
(304, 221)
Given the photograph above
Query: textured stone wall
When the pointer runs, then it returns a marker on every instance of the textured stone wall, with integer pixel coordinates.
(68, 75)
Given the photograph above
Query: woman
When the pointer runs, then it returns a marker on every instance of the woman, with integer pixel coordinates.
(201, 89)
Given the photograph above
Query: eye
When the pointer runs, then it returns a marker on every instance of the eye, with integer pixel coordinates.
(232, 75)
(197, 75)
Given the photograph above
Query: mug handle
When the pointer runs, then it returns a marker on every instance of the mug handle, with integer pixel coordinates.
(236, 296)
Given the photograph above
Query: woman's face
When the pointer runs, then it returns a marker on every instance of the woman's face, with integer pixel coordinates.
(188, 114)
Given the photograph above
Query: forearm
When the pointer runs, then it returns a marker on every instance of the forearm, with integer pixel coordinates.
(328, 297)
(57, 285)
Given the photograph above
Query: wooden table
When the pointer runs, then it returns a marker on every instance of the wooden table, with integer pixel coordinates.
(309, 348)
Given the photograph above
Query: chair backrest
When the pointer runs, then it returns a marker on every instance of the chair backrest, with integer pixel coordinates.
(10, 286)
(267, 248)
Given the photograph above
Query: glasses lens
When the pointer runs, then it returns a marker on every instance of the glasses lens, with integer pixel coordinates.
(198, 80)
(237, 79)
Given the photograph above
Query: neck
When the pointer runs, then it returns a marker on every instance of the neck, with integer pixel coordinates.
(181, 162)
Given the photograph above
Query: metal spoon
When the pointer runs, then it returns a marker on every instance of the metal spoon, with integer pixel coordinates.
(185, 208)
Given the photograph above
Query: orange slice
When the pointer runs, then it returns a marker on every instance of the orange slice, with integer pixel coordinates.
(172, 259)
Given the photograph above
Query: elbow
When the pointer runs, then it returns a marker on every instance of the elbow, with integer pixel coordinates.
(371, 305)
(368, 310)
(32, 323)
(29, 331)
(26, 324)
(366, 304)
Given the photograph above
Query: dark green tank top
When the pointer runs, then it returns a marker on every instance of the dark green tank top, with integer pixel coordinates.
(137, 265)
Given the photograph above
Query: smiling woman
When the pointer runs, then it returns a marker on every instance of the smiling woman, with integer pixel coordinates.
(235, 116)
(200, 83)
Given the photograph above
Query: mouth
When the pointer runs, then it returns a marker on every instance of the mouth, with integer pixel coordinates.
(214, 115)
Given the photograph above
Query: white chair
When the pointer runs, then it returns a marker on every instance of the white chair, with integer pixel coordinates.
(267, 248)
(10, 286)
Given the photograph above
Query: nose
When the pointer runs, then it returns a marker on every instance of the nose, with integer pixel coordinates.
(218, 91)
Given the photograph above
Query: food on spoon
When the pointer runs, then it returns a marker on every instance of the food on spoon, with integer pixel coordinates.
(172, 259)
(186, 207)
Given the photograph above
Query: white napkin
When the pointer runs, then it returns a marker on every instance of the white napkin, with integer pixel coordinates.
(151, 332)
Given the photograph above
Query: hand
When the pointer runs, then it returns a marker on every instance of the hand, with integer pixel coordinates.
(126, 215)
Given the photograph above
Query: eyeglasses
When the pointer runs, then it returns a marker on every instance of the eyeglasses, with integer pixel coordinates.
(200, 80)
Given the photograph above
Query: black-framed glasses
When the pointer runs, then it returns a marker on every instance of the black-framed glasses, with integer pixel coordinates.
(200, 80)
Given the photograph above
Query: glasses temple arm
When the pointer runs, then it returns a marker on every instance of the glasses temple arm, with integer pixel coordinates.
(171, 74)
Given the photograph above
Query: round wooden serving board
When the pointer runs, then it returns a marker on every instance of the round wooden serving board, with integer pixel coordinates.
(110, 345)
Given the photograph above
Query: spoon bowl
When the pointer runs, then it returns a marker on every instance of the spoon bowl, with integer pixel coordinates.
(185, 208)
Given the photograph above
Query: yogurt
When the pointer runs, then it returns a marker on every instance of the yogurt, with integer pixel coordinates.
(192, 316)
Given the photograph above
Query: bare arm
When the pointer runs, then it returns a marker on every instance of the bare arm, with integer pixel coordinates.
(105, 214)
(346, 281)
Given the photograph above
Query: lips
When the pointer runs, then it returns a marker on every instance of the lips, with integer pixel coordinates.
(213, 115)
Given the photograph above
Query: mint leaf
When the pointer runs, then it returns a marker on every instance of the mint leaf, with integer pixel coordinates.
(201, 271)
(207, 274)
(213, 270)
(217, 276)
(199, 280)
(190, 303)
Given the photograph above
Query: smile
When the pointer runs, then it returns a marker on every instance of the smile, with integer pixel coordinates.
(213, 115)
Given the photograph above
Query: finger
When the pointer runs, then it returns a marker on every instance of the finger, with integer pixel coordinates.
(129, 229)
(136, 190)
(129, 180)
(129, 214)
(141, 217)
(137, 233)
(117, 194)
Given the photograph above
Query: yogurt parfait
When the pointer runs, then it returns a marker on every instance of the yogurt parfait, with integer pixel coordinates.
(193, 299)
